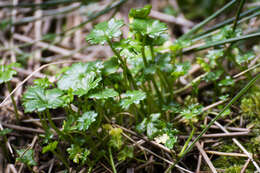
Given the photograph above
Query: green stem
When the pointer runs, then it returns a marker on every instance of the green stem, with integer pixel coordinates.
(234, 99)
(43, 122)
(207, 32)
(111, 160)
(60, 157)
(152, 78)
(188, 141)
(127, 72)
(217, 43)
(52, 124)
(157, 90)
(242, 2)
(13, 102)
(207, 20)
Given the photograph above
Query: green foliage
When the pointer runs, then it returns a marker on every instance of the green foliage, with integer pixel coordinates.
(139, 88)
(181, 69)
(81, 78)
(43, 83)
(7, 72)
(5, 131)
(225, 33)
(86, 120)
(132, 97)
(39, 99)
(250, 105)
(105, 31)
(226, 82)
(115, 134)
(50, 147)
(78, 154)
(191, 112)
(26, 157)
(126, 152)
(148, 27)
(104, 94)
(243, 59)
(213, 56)
(110, 66)
(150, 125)
(140, 12)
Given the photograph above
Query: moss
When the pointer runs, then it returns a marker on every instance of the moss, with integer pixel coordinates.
(250, 105)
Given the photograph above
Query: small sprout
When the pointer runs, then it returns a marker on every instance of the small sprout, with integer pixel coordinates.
(213, 75)
(84, 122)
(26, 157)
(43, 82)
(132, 97)
(171, 141)
(243, 59)
(104, 94)
(225, 33)
(7, 73)
(105, 31)
(116, 140)
(126, 152)
(181, 69)
(226, 82)
(81, 78)
(204, 65)
(191, 112)
(179, 45)
(39, 99)
(163, 62)
(150, 125)
(214, 55)
(148, 27)
(78, 154)
(141, 13)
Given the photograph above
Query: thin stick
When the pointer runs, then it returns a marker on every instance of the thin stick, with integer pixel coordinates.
(206, 158)
(21, 128)
(245, 166)
(249, 155)
(226, 154)
(219, 135)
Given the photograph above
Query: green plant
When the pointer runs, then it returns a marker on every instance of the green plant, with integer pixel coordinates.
(138, 87)
(6, 74)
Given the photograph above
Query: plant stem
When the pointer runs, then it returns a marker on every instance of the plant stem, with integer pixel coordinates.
(52, 124)
(188, 141)
(127, 72)
(217, 43)
(242, 2)
(13, 102)
(111, 160)
(43, 122)
(152, 78)
(228, 21)
(207, 20)
(60, 157)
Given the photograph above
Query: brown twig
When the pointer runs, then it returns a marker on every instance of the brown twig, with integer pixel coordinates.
(206, 158)
(21, 128)
(249, 155)
(226, 154)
